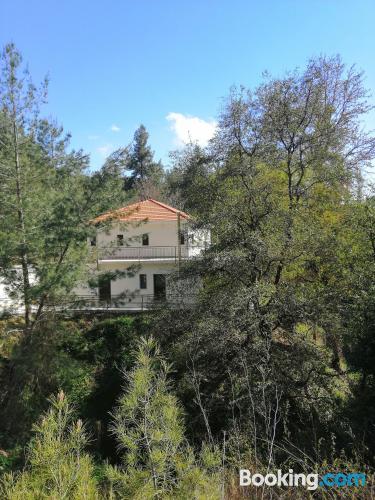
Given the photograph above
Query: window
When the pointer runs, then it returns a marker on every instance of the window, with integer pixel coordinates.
(143, 281)
(120, 240)
(93, 241)
(182, 238)
(145, 239)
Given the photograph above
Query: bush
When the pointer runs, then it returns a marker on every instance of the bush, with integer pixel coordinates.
(57, 466)
(82, 358)
(148, 424)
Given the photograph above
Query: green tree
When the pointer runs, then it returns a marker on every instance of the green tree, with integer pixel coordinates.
(47, 197)
(148, 424)
(80, 357)
(57, 466)
(19, 110)
(191, 180)
(284, 166)
(145, 173)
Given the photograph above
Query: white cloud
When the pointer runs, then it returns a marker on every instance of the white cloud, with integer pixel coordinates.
(191, 129)
(93, 137)
(115, 128)
(105, 149)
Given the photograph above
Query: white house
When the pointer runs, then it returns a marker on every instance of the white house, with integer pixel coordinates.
(149, 238)
(144, 243)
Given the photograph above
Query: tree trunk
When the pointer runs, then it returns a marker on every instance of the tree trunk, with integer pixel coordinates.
(21, 223)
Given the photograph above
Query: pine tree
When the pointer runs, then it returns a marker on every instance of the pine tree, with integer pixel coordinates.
(142, 158)
(57, 466)
(142, 166)
(47, 198)
(20, 101)
(148, 424)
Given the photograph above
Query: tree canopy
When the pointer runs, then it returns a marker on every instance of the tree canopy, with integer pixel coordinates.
(145, 174)
(271, 366)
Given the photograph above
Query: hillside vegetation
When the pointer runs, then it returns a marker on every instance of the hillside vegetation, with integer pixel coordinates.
(271, 368)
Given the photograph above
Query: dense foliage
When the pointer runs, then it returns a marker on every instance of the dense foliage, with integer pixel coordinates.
(271, 367)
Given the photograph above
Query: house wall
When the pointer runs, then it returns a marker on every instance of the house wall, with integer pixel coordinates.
(160, 233)
(130, 283)
(4, 297)
(6, 302)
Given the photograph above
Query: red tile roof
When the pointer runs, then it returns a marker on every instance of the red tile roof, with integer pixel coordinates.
(150, 210)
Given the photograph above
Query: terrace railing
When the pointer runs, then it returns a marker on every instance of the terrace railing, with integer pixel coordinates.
(149, 252)
(132, 302)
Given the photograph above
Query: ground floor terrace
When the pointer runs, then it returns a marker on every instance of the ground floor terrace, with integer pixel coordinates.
(145, 286)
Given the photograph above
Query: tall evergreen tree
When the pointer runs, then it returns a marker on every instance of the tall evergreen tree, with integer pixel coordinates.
(57, 465)
(23, 171)
(142, 158)
(144, 171)
(148, 424)
(47, 198)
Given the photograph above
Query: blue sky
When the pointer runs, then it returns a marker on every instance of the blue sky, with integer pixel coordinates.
(116, 64)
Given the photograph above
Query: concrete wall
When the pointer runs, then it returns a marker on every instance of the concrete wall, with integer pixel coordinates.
(163, 233)
(5, 301)
(130, 283)
(160, 233)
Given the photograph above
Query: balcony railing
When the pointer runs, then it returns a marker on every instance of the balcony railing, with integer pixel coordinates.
(122, 302)
(149, 252)
(132, 302)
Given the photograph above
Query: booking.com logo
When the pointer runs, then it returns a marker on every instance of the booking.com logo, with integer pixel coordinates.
(310, 481)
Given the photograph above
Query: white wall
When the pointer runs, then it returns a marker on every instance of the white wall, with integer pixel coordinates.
(5, 301)
(130, 284)
(161, 233)
(4, 297)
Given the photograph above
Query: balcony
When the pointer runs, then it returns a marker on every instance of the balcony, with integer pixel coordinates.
(91, 303)
(149, 253)
(132, 302)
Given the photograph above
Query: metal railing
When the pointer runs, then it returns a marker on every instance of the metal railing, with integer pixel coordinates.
(132, 302)
(149, 252)
(122, 302)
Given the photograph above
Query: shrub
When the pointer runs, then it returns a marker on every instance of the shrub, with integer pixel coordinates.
(57, 466)
(148, 424)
